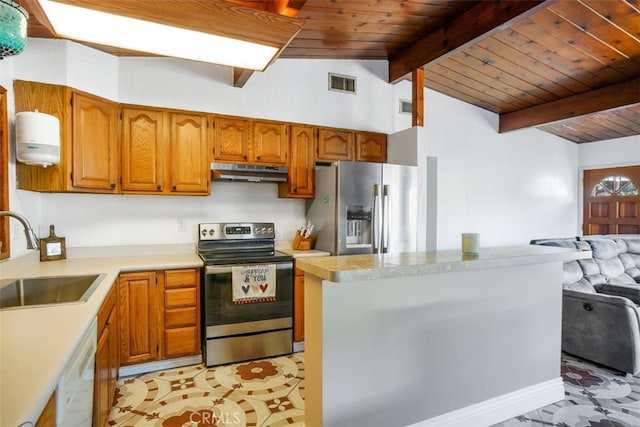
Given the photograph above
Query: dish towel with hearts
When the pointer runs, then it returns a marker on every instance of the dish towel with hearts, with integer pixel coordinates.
(253, 283)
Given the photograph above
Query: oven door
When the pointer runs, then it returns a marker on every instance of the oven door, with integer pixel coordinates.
(224, 318)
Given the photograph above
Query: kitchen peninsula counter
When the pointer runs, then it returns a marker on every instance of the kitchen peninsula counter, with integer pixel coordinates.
(434, 338)
(37, 341)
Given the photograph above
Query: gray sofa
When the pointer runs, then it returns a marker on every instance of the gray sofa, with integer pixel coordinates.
(601, 300)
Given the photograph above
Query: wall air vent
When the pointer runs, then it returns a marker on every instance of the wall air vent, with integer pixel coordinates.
(406, 107)
(342, 83)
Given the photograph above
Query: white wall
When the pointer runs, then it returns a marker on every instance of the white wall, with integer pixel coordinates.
(614, 152)
(510, 187)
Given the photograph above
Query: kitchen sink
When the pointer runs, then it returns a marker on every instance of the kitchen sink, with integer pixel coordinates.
(38, 291)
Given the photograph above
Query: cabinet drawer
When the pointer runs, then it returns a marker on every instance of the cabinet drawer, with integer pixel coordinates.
(179, 317)
(180, 278)
(182, 341)
(180, 297)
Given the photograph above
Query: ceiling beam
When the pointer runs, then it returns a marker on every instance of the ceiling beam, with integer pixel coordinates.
(417, 97)
(241, 76)
(624, 94)
(482, 21)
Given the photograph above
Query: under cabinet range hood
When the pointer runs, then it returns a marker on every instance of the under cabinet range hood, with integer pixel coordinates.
(248, 173)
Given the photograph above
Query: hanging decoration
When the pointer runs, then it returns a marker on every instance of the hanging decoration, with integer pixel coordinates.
(13, 28)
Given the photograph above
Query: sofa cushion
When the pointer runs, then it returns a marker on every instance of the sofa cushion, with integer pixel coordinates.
(606, 253)
(591, 271)
(573, 278)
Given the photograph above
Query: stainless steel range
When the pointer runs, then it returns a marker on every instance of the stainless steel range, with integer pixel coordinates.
(247, 298)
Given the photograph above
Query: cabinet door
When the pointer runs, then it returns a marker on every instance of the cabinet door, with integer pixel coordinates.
(101, 401)
(142, 154)
(301, 164)
(270, 143)
(371, 147)
(231, 139)
(188, 154)
(335, 144)
(138, 317)
(95, 143)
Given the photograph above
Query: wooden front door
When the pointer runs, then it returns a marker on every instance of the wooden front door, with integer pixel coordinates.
(612, 201)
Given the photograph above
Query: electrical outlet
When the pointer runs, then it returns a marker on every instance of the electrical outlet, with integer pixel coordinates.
(182, 226)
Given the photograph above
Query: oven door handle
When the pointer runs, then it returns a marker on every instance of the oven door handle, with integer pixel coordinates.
(223, 269)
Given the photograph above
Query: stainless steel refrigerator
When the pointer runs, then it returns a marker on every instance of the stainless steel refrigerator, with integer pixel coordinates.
(363, 208)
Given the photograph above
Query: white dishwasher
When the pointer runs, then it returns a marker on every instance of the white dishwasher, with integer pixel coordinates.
(74, 395)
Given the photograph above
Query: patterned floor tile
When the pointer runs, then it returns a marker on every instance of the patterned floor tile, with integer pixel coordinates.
(270, 393)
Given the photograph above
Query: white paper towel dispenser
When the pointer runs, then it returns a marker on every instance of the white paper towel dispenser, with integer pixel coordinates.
(37, 138)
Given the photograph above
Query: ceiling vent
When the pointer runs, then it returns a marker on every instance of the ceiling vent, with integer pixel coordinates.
(342, 83)
(406, 107)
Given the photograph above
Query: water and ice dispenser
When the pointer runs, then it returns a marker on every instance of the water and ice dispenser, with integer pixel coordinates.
(358, 226)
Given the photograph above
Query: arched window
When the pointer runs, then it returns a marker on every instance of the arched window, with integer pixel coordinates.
(617, 185)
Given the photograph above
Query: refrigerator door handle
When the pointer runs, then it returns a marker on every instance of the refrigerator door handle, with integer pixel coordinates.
(375, 227)
(385, 219)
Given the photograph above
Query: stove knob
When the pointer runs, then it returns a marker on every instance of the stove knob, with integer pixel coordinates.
(264, 230)
(204, 233)
(211, 232)
(270, 230)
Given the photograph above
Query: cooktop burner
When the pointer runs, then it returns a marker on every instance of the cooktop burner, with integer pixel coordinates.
(238, 243)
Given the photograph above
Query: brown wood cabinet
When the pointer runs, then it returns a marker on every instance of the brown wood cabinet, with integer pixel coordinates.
(138, 309)
(159, 315)
(88, 145)
(107, 359)
(343, 144)
(231, 139)
(371, 147)
(298, 306)
(335, 144)
(270, 143)
(181, 314)
(245, 141)
(302, 159)
(164, 151)
(143, 135)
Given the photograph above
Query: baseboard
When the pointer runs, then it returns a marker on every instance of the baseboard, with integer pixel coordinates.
(142, 368)
(298, 346)
(500, 408)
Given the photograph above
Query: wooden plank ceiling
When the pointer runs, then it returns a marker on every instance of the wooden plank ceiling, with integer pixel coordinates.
(568, 67)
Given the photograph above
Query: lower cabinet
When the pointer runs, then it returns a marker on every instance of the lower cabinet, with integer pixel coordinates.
(107, 359)
(159, 315)
(298, 306)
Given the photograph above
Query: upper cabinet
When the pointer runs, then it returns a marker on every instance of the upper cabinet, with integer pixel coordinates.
(188, 158)
(94, 143)
(240, 140)
(371, 147)
(335, 144)
(270, 143)
(143, 135)
(89, 140)
(343, 144)
(164, 151)
(231, 139)
(302, 149)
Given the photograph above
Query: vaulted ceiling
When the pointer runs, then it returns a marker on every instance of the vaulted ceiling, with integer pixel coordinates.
(568, 67)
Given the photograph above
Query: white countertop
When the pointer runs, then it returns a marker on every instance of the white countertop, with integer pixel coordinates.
(351, 268)
(36, 342)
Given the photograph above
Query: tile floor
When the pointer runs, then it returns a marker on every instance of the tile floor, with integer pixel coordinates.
(270, 392)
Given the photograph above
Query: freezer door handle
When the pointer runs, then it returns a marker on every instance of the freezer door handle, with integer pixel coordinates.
(385, 219)
(375, 225)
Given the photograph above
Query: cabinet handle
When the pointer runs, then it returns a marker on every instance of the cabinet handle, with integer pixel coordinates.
(174, 188)
(258, 158)
(159, 187)
(295, 190)
(113, 185)
(245, 157)
(587, 306)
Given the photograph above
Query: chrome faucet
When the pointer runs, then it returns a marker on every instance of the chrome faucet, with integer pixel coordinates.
(32, 239)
